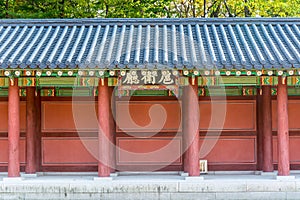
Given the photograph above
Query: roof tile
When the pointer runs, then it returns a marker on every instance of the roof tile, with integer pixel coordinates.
(162, 43)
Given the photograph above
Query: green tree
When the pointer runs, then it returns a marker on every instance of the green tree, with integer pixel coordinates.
(147, 8)
(132, 8)
(50, 9)
(235, 8)
(5, 9)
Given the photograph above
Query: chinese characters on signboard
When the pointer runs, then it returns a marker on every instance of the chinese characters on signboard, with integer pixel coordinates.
(148, 77)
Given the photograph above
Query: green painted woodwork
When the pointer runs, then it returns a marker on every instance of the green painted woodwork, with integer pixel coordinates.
(111, 82)
(183, 81)
(3, 92)
(92, 91)
(223, 92)
(268, 80)
(30, 81)
(274, 91)
(201, 91)
(249, 91)
(74, 92)
(47, 92)
(293, 81)
(22, 92)
(228, 81)
(207, 81)
(149, 93)
(241, 80)
(4, 82)
(294, 91)
(208, 85)
(86, 81)
(60, 81)
(91, 80)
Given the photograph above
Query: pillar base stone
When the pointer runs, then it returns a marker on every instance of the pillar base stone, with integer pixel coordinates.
(103, 178)
(12, 179)
(184, 174)
(40, 173)
(268, 173)
(29, 175)
(285, 178)
(257, 172)
(114, 174)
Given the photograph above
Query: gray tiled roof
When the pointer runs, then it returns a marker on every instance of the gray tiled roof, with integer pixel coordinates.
(138, 43)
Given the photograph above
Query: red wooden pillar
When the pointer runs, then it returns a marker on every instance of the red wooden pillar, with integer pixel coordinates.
(267, 129)
(191, 116)
(13, 128)
(104, 128)
(283, 128)
(30, 167)
(112, 135)
(259, 129)
(38, 138)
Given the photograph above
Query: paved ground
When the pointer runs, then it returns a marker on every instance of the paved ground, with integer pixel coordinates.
(215, 185)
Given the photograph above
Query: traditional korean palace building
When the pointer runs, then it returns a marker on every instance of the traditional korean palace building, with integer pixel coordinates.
(149, 94)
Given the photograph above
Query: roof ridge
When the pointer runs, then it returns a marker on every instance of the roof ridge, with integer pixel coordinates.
(91, 21)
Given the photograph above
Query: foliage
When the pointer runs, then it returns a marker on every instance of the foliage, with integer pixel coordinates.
(237, 8)
(147, 8)
(132, 8)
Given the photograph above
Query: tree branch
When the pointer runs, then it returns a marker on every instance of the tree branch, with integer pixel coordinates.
(228, 9)
(6, 9)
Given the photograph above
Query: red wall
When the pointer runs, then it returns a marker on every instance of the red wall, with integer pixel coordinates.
(70, 134)
(4, 116)
(230, 119)
(229, 152)
(69, 151)
(148, 116)
(149, 151)
(230, 115)
(4, 151)
(69, 116)
(228, 134)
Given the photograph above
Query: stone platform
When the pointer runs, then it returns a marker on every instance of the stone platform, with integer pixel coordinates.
(160, 185)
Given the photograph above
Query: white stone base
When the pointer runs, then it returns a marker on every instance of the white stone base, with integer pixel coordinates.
(184, 174)
(40, 173)
(268, 173)
(231, 172)
(113, 174)
(103, 178)
(285, 178)
(29, 175)
(194, 178)
(12, 179)
(257, 172)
